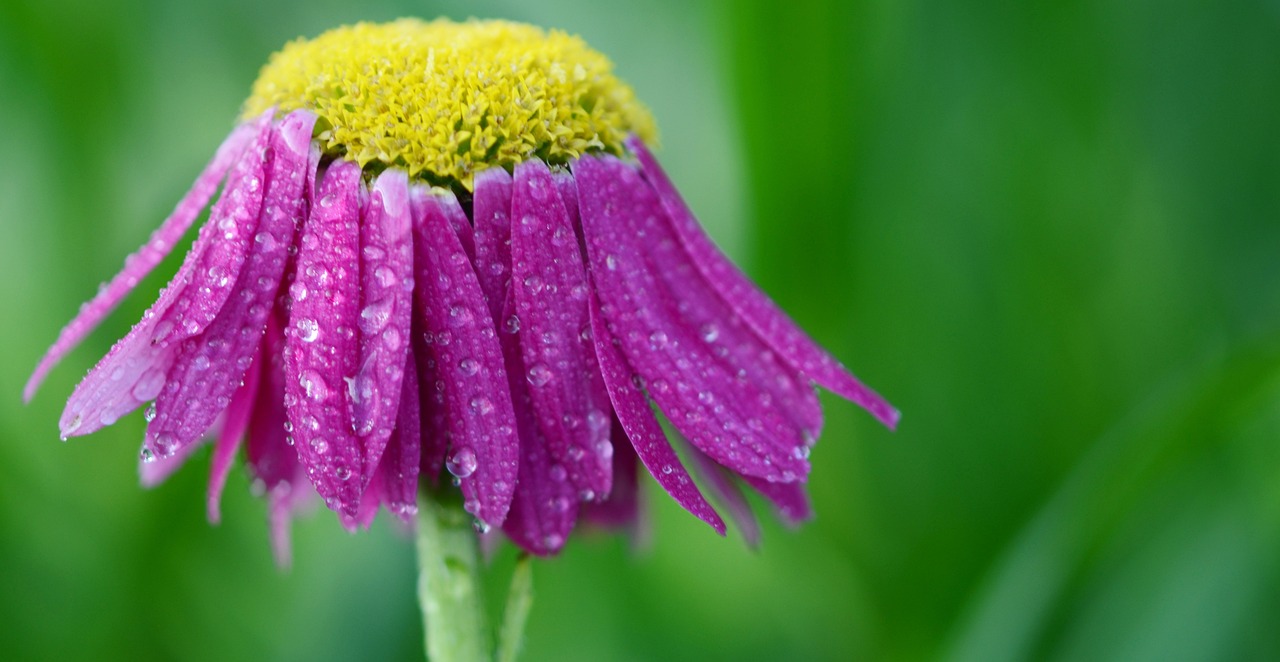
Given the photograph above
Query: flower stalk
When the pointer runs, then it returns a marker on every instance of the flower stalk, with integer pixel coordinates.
(449, 590)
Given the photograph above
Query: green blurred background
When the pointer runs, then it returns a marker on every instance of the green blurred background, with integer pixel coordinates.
(1046, 230)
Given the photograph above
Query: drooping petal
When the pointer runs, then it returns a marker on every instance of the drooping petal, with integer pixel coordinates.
(400, 463)
(210, 366)
(434, 414)
(491, 209)
(135, 369)
(647, 437)
(764, 316)
(161, 243)
(707, 394)
(269, 448)
(234, 426)
(549, 287)
(152, 472)
(789, 499)
(386, 274)
(545, 506)
(483, 448)
(622, 509)
(724, 489)
(320, 344)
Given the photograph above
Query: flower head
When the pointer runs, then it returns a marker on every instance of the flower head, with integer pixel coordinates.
(445, 248)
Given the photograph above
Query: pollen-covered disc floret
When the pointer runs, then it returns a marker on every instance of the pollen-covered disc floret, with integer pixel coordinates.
(445, 100)
(359, 315)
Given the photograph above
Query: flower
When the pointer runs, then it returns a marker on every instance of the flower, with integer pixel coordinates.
(447, 246)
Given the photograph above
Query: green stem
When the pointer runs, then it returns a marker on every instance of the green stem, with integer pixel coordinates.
(519, 602)
(449, 588)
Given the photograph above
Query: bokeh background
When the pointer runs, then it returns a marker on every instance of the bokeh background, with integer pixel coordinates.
(1048, 231)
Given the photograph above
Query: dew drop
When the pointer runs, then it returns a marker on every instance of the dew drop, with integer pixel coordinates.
(512, 325)
(150, 413)
(462, 463)
(319, 445)
(482, 404)
(558, 473)
(308, 329)
(374, 317)
(314, 385)
(469, 366)
(709, 332)
(460, 314)
(147, 456)
(539, 375)
(342, 472)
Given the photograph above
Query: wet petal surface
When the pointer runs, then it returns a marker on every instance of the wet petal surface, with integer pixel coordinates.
(320, 340)
(135, 369)
(709, 395)
(764, 316)
(550, 291)
(161, 243)
(483, 449)
(210, 366)
(647, 437)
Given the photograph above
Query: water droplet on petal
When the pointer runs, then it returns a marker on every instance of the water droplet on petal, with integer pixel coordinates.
(539, 375)
(314, 385)
(308, 329)
(512, 325)
(469, 366)
(462, 463)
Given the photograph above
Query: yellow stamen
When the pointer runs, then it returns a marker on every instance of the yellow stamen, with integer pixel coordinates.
(446, 100)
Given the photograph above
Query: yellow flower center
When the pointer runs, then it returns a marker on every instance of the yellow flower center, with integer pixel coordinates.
(445, 100)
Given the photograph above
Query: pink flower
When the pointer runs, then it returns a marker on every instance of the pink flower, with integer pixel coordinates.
(357, 329)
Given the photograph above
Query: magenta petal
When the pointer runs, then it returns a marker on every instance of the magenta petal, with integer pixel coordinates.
(162, 241)
(210, 366)
(707, 394)
(725, 491)
(386, 274)
(152, 472)
(789, 499)
(401, 461)
(434, 417)
(268, 449)
(320, 343)
(545, 506)
(491, 209)
(135, 369)
(642, 428)
(233, 430)
(622, 509)
(764, 316)
(549, 286)
(484, 449)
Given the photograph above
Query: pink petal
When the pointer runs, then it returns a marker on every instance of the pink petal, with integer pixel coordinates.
(152, 472)
(162, 241)
(707, 394)
(549, 285)
(386, 274)
(492, 212)
(789, 499)
(755, 306)
(229, 438)
(725, 491)
(400, 463)
(269, 450)
(135, 369)
(622, 509)
(545, 506)
(642, 428)
(484, 447)
(434, 414)
(210, 366)
(320, 348)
